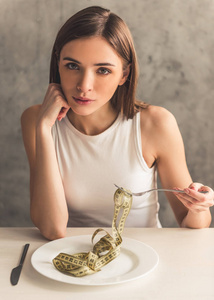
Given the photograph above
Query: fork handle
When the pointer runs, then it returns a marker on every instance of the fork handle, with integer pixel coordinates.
(178, 191)
(163, 190)
(168, 190)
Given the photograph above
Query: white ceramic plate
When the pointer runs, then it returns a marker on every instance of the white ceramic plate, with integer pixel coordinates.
(135, 260)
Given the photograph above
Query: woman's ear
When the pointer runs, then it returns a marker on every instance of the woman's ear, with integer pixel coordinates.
(125, 75)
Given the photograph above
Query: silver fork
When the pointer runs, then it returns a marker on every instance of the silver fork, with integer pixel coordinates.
(151, 190)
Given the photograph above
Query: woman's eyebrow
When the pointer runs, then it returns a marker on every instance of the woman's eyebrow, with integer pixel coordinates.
(98, 64)
(105, 64)
(71, 59)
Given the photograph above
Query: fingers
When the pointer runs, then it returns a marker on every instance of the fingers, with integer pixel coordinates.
(190, 205)
(195, 186)
(196, 195)
(194, 200)
(200, 187)
(62, 113)
(57, 95)
(60, 97)
(54, 105)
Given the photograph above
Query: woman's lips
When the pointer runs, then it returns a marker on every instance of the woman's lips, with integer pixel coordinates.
(82, 100)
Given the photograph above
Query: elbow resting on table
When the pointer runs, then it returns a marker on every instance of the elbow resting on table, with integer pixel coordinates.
(50, 231)
(53, 234)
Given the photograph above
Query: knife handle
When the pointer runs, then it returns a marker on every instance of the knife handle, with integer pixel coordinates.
(24, 253)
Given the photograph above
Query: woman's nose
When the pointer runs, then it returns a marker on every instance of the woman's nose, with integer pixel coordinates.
(85, 83)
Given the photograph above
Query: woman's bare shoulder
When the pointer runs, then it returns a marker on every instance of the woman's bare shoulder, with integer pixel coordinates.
(28, 124)
(160, 130)
(157, 114)
(157, 118)
(30, 114)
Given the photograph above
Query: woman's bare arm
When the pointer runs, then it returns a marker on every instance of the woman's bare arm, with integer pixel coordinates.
(168, 151)
(48, 204)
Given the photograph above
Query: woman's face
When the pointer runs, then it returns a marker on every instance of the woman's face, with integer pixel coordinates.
(90, 72)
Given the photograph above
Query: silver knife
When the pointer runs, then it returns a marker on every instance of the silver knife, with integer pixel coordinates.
(15, 274)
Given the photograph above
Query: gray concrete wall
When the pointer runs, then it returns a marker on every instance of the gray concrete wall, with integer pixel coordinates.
(175, 44)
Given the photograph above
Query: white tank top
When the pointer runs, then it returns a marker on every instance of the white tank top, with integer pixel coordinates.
(91, 165)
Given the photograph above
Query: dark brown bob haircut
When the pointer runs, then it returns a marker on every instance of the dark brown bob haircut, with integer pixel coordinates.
(98, 21)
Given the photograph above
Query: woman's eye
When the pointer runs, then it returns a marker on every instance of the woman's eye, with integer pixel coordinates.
(72, 66)
(104, 71)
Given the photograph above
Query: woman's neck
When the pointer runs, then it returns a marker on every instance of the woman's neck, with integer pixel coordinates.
(94, 123)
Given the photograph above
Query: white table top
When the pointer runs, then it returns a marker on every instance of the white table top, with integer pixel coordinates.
(185, 270)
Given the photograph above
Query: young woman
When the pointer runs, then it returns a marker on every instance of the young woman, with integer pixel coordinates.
(91, 133)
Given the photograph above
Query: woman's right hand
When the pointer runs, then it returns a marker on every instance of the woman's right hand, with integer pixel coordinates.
(54, 106)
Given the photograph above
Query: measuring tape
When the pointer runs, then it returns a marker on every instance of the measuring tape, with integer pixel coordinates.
(81, 264)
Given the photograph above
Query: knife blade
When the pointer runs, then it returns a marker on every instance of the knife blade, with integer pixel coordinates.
(15, 274)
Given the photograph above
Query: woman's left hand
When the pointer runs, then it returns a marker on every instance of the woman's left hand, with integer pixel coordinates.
(194, 200)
